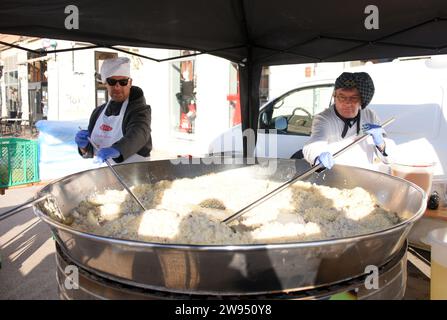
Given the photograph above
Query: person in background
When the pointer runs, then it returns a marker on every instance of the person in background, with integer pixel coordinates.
(121, 128)
(345, 120)
(44, 110)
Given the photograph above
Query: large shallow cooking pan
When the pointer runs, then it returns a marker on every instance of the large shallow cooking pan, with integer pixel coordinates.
(240, 269)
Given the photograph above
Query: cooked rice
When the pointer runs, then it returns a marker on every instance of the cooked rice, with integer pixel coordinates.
(190, 211)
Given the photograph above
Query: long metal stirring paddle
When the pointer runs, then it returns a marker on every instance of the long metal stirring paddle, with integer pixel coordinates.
(118, 177)
(296, 178)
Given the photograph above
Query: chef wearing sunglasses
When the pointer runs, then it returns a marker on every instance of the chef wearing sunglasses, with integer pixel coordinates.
(121, 128)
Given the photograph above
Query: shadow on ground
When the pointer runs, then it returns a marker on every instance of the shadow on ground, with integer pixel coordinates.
(28, 268)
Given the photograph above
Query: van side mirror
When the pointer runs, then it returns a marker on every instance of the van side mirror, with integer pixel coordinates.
(281, 123)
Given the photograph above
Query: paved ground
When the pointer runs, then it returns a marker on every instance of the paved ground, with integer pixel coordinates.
(28, 264)
(27, 252)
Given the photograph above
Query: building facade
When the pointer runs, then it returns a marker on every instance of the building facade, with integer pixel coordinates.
(193, 98)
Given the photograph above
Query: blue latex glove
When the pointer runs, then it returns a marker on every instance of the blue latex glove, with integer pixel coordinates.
(81, 138)
(375, 131)
(106, 153)
(326, 159)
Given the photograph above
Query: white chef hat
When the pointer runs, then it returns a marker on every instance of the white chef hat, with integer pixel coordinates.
(115, 67)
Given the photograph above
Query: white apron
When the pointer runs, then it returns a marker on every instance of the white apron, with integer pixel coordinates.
(109, 129)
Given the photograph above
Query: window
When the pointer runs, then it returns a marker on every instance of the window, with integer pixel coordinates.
(298, 108)
(233, 97)
(37, 86)
(264, 86)
(322, 98)
(301, 101)
(12, 91)
(183, 97)
(12, 85)
(37, 67)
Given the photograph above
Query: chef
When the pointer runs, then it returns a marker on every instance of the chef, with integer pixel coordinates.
(343, 122)
(121, 128)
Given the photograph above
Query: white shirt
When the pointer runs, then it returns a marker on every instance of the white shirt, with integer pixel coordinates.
(327, 128)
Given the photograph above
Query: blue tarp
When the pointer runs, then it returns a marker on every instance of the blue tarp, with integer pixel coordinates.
(58, 151)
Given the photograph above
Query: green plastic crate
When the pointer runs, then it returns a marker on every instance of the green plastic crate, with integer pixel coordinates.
(19, 162)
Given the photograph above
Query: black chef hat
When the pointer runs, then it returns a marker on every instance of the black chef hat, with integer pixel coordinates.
(359, 80)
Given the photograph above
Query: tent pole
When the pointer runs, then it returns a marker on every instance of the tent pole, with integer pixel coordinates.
(249, 76)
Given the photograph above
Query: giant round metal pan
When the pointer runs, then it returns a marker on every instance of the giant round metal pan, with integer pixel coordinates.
(235, 269)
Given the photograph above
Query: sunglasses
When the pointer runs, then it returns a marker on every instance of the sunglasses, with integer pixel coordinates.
(113, 82)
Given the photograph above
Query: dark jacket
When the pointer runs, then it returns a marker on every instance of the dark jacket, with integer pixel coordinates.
(136, 126)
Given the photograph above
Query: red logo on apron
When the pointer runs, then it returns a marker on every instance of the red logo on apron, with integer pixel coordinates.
(105, 127)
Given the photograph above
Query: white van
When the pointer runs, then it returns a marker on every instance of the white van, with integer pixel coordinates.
(412, 91)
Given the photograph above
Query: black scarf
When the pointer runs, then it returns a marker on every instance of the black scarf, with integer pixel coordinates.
(349, 122)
